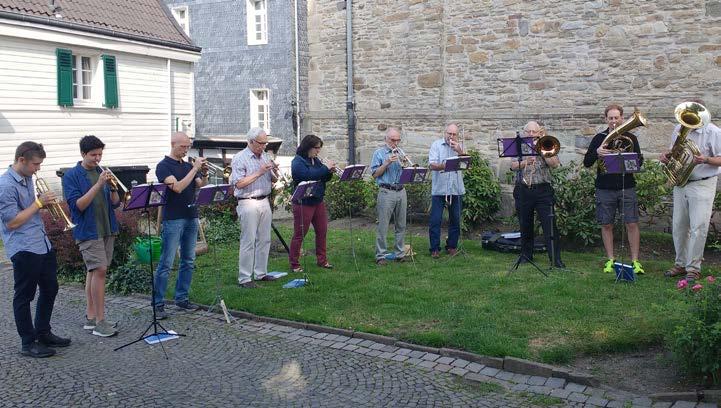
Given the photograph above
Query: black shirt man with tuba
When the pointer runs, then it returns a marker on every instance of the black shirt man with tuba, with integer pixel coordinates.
(613, 190)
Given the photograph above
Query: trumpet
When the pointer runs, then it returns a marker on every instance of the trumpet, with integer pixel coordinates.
(214, 169)
(116, 184)
(275, 168)
(403, 157)
(336, 170)
(56, 211)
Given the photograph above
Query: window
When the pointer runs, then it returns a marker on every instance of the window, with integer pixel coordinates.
(82, 78)
(79, 81)
(260, 109)
(181, 16)
(257, 16)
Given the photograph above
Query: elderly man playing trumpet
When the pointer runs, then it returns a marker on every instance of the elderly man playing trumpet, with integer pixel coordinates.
(92, 200)
(533, 193)
(392, 199)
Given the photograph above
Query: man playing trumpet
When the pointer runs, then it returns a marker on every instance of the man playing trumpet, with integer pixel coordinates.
(29, 249)
(92, 199)
(392, 200)
(533, 192)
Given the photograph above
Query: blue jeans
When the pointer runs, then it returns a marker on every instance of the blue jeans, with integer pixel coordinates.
(184, 233)
(438, 202)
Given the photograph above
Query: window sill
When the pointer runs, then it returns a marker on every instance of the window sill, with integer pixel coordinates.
(89, 106)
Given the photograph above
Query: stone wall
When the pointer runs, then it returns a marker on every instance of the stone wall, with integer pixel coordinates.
(493, 65)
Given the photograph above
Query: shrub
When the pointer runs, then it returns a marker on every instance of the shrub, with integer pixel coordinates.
(576, 203)
(419, 197)
(220, 224)
(483, 192)
(652, 190)
(129, 277)
(695, 341)
(343, 198)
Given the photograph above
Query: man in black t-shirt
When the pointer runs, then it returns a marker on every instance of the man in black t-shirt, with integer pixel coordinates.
(180, 222)
(614, 190)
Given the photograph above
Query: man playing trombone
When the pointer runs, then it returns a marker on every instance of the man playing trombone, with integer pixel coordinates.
(392, 199)
(533, 192)
(29, 249)
(92, 200)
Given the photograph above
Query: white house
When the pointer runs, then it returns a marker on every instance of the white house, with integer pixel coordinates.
(119, 69)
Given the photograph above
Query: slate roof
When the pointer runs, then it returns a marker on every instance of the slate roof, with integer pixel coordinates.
(143, 20)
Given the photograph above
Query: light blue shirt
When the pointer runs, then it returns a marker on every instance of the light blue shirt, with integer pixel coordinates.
(444, 183)
(392, 175)
(246, 163)
(16, 194)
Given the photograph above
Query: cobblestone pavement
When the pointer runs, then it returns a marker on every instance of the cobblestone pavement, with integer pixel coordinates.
(252, 363)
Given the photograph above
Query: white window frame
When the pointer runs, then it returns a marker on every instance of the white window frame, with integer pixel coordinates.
(257, 22)
(184, 23)
(255, 111)
(96, 82)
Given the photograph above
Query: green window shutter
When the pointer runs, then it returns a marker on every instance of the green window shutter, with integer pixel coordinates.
(111, 81)
(65, 76)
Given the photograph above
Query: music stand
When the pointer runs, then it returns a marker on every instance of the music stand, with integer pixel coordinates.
(304, 189)
(412, 175)
(622, 163)
(352, 173)
(207, 195)
(144, 197)
(519, 147)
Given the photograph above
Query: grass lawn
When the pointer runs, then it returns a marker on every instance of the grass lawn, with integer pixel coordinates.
(467, 302)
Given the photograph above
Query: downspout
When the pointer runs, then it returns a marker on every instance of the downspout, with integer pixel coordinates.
(350, 102)
(297, 78)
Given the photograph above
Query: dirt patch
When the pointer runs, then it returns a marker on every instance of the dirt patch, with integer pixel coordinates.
(641, 372)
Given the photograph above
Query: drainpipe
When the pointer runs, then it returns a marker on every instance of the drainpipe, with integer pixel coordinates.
(297, 78)
(350, 102)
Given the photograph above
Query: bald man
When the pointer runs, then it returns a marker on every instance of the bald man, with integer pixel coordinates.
(180, 222)
(533, 193)
(447, 189)
(392, 200)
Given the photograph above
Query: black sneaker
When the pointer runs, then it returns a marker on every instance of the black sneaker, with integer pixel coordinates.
(51, 340)
(187, 306)
(36, 350)
(160, 312)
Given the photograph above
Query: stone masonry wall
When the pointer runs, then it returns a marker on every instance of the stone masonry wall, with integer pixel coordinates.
(492, 65)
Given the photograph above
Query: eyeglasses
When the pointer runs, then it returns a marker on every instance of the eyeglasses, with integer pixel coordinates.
(451, 134)
(395, 140)
(260, 143)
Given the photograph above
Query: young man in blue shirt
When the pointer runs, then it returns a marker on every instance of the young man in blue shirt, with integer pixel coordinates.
(28, 247)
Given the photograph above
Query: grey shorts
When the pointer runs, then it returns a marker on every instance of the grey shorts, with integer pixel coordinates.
(609, 201)
(97, 252)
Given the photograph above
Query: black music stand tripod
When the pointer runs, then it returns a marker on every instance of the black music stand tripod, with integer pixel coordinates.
(145, 197)
(519, 148)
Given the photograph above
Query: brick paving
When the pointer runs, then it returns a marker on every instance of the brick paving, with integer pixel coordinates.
(251, 363)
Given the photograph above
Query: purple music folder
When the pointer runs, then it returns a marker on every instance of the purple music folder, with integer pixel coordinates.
(413, 175)
(353, 172)
(146, 195)
(305, 189)
(212, 194)
(618, 163)
(457, 163)
(508, 148)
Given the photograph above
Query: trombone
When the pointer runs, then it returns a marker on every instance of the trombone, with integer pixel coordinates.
(56, 211)
(116, 184)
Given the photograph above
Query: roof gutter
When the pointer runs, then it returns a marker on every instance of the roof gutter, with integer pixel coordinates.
(94, 30)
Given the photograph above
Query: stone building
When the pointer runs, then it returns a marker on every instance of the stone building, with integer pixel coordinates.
(492, 65)
(246, 76)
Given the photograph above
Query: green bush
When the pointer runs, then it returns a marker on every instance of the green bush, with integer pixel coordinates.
(483, 192)
(576, 203)
(695, 341)
(349, 197)
(129, 277)
(652, 190)
(220, 223)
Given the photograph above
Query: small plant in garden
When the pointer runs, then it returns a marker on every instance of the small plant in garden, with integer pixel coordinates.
(483, 192)
(575, 202)
(695, 340)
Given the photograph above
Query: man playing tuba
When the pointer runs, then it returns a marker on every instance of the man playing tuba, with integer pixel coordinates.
(613, 190)
(693, 202)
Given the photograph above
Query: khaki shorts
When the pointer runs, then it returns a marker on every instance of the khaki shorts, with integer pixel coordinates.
(97, 253)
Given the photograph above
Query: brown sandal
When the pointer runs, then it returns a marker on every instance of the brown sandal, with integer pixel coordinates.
(675, 271)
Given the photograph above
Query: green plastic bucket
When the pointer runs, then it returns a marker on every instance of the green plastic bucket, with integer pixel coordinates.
(141, 249)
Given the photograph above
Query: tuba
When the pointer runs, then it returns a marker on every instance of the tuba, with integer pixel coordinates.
(56, 211)
(617, 142)
(691, 115)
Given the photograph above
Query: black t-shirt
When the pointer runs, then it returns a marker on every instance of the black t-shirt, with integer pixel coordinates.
(179, 205)
(606, 181)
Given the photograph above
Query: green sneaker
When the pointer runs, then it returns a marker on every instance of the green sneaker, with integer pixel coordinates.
(608, 268)
(89, 324)
(104, 329)
(638, 268)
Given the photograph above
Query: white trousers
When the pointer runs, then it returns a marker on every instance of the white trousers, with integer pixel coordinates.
(255, 219)
(692, 206)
